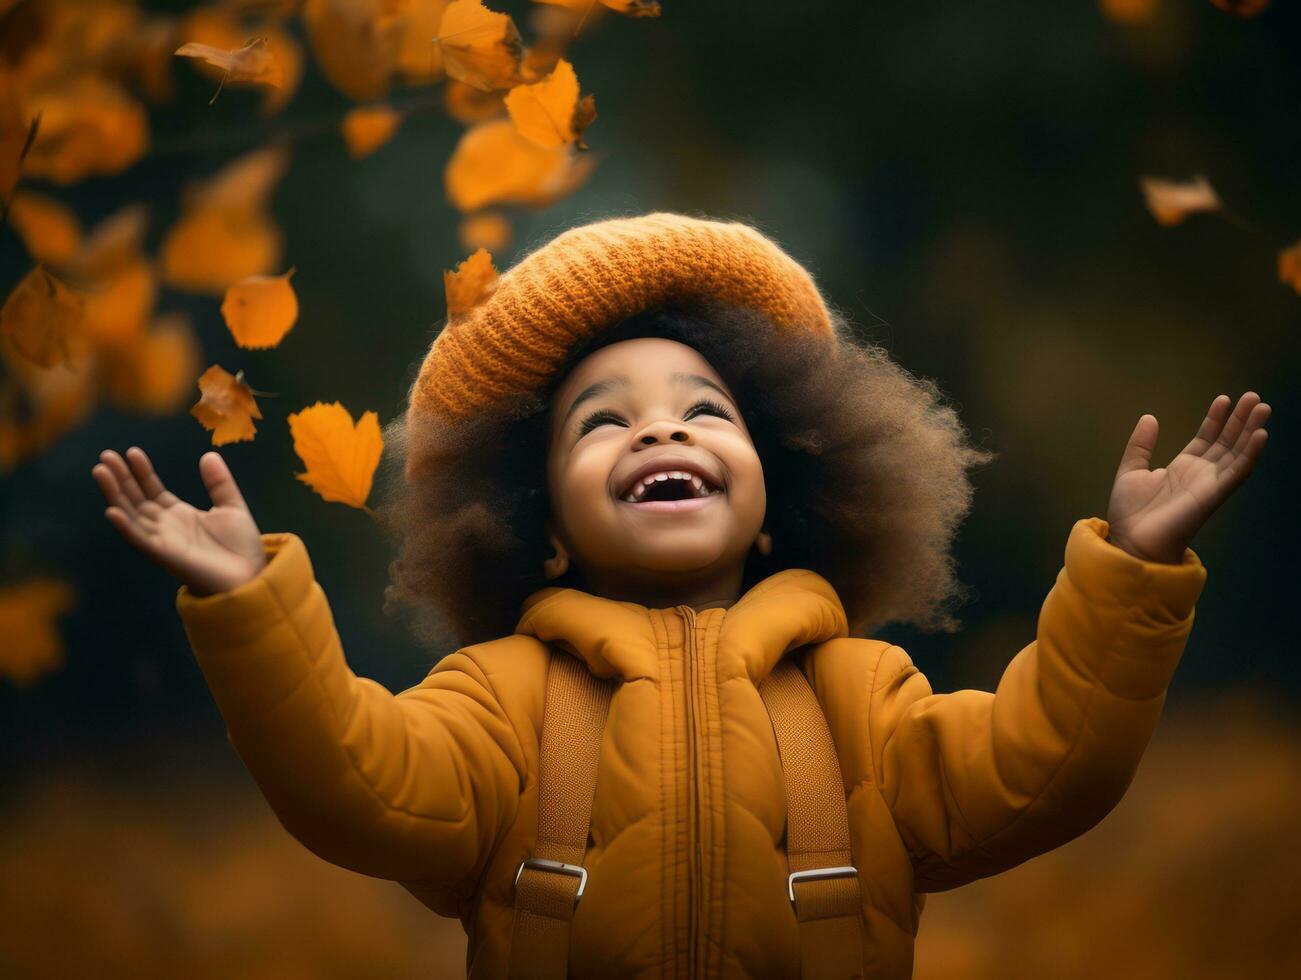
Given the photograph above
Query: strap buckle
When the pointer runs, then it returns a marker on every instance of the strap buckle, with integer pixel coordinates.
(559, 867)
(817, 874)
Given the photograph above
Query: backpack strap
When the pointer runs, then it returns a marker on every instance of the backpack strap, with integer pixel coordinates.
(549, 885)
(823, 884)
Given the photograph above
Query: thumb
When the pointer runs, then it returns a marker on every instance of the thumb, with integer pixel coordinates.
(221, 486)
(1142, 441)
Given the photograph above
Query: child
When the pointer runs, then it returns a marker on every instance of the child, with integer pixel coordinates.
(655, 449)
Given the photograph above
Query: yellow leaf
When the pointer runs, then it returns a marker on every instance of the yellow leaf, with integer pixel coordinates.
(550, 112)
(42, 319)
(88, 126)
(480, 47)
(153, 376)
(32, 645)
(48, 228)
(260, 310)
(227, 407)
(251, 62)
(1171, 201)
(341, 457)
(211, 247)
(494, 164)
(367, 128)
(473, 281)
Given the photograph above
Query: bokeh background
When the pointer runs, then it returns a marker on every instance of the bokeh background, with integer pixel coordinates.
(962, 179)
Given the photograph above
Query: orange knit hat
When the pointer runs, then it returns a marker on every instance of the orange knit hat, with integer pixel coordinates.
(595, 276)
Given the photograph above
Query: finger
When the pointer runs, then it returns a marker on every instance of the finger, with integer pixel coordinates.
(222, 487)
(112, 490)
(1244, 463)
(126, 481)
(1254, 422)
(1138, 451)
(1233, 427)
(149, 482)
(1211, 426)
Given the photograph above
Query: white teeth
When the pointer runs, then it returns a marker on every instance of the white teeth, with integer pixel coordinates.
(638, 492)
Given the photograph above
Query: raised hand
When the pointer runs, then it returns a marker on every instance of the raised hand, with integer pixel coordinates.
(209, 550)
(1153, 514)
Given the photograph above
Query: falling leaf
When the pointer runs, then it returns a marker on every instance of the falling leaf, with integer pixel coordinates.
(221, 27)
(549, 112)
(1172, 201)
(355, 47)
(419, 61)
(1289, 266)
(487, 229)
(112, 243)
(473, 281)
(1241, 8)
(480, 47)
(467, 104)
(227, 407)
(367, 128)
(224, 232)
(340, 457)
(119, 304)
(48, 228)
(41, 318)
(153, 376)
(32, 645)
(89, 126)
(260, 310)
(252, 62)
(494, 164)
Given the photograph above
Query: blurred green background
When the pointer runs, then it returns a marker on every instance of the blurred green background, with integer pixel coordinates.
(962, 180)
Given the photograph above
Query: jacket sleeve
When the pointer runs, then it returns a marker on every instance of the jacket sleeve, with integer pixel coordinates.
(409, 787)
(979, 782)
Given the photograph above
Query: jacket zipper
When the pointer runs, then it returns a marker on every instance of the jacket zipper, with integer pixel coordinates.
(693, 789)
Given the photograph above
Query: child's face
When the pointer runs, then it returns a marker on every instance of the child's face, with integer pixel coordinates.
(638, 407)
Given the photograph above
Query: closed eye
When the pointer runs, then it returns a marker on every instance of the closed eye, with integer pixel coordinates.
(604, 415)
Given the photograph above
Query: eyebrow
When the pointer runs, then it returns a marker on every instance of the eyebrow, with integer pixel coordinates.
(619, 381)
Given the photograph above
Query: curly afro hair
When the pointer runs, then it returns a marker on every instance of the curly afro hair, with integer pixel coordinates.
(865, 469)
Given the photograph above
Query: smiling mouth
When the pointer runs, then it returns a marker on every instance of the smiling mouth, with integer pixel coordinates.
(671, 491)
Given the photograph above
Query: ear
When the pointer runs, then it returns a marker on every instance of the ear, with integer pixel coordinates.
(557, 564)
(764, 543)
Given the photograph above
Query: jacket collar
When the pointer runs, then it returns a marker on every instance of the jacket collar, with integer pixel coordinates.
(788, 609)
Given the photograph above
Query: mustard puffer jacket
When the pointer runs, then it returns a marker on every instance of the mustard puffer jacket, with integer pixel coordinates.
(436, 787)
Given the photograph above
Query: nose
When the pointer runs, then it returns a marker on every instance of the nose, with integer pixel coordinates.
(663, 430)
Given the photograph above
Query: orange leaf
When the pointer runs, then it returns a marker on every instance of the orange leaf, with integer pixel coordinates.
(153, 376)
(88, 126)
(473, 281)
(354, 44)
(41, 318)
(480, 47)
(341, 458)
(13, 134)
(494, 164)
(211, 247)
(245, 182)
(550, 112)
(467, 104)
(367, 128)
(227, 407)
(32, 643)
(487, 229)
(220, 28)
(48, 228)
(1171, 201)
(1289, 266)
(119, 304)
(260, 310)
(252, 62)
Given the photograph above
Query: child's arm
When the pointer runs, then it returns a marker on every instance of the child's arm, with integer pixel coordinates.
(979, 782)
(413, 788)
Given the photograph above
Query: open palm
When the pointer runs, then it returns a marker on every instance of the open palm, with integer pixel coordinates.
(209, 550)
(1153, 514)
